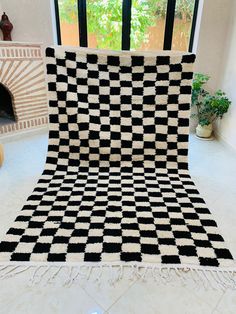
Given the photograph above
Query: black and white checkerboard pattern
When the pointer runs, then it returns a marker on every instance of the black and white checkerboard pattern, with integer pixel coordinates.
(116, 186)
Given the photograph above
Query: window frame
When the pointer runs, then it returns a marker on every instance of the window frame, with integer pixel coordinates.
(126, 24)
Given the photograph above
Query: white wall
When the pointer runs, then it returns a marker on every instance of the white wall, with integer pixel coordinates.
(212, 36)
(226, 128)
(31, 19)
(216, 56)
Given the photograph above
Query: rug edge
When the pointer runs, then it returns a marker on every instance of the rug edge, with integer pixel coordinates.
(216, 278)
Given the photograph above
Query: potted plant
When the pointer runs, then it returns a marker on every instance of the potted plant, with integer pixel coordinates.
(209, 107)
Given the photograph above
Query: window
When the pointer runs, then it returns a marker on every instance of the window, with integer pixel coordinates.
(104, 20)
(127, 24)
(68, 22)
(182, 24)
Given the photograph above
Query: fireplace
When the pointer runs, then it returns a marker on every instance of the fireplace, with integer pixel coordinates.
(23, 96)
(6, 105)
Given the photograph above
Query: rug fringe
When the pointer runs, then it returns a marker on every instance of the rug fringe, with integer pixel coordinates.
(67, 275)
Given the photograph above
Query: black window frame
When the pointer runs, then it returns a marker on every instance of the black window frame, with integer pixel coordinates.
(126, 24)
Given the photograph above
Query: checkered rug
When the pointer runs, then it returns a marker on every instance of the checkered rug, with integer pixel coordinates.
(116, 189)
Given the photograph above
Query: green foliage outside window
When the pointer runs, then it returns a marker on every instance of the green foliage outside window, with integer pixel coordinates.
(104, 18)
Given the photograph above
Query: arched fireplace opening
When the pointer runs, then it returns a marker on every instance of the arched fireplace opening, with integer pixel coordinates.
(6, 106)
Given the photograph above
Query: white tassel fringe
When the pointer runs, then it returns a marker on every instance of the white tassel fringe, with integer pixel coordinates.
(67, 274)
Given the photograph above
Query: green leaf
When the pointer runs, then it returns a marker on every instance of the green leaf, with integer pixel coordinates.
(209, 106)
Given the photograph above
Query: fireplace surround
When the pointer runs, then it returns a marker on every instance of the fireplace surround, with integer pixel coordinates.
(23, 96)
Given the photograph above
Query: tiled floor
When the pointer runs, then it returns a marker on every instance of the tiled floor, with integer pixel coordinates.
(213, 167)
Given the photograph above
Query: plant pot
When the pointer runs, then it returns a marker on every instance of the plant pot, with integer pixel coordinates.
(204, 131)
